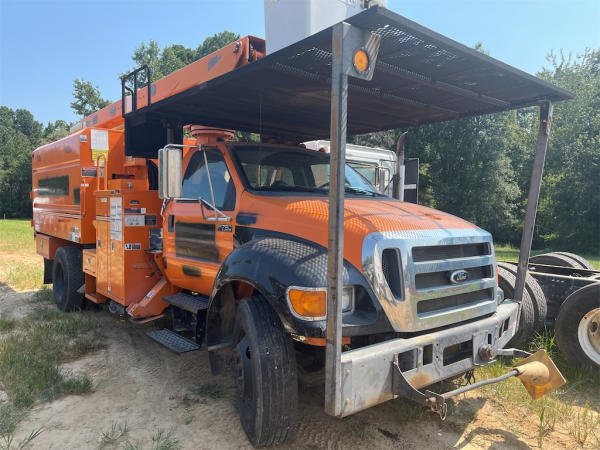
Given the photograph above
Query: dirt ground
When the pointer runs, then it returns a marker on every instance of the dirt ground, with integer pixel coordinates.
(142, 384)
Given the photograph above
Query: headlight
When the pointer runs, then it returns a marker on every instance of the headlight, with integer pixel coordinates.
(311, 303)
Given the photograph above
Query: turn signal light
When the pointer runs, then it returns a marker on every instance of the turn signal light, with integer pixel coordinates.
(311, 303)
(308, 303)
(361, 60)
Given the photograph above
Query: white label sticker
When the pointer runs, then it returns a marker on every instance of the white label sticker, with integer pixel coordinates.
(99, 139)
(136, 246)
(134, 220)
(116, 228)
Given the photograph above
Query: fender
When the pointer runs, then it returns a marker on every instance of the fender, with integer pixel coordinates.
(270, 264)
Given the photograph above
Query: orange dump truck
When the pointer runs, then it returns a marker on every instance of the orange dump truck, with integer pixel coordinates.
(235, 241)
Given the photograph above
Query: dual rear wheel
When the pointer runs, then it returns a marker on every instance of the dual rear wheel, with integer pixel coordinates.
(67, 278)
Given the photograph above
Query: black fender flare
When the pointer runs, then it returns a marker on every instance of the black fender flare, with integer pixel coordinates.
(270, 265)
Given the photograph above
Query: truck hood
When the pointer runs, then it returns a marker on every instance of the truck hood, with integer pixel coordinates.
(307, 218)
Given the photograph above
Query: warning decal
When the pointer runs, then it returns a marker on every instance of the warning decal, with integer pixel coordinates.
(116, 225)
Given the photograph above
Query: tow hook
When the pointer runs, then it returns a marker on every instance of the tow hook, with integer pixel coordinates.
(486, 352)
(537, 372)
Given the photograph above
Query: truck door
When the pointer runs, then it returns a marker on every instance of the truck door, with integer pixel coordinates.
(195, 244)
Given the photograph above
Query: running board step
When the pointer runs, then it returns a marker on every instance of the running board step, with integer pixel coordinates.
(191, 303)
(173, 341)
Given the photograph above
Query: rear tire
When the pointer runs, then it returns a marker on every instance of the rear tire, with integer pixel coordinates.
(506, 282)
(265, 366)
(67, 277)
(540, 305)
(578, 327)
(561, 259)
(584, 263)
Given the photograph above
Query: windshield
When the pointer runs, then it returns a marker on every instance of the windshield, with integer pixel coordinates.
(285, 169)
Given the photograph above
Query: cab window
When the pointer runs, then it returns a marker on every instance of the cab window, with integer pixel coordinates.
(195, 180)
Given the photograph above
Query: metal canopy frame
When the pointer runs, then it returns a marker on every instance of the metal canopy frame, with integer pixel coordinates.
(346, 38)
(420, 77)
(311, 90)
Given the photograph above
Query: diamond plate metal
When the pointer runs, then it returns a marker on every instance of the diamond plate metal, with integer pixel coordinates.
(191, 303)
(173, 341)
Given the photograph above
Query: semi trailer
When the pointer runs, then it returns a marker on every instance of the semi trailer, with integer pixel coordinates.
(281, 259)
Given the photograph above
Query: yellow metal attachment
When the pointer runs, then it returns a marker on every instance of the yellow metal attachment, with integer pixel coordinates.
(539, 374)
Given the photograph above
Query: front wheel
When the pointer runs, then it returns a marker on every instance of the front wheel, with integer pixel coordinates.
(578, 327)
(265, 366)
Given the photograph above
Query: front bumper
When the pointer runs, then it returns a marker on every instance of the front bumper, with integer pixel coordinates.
(367, 372)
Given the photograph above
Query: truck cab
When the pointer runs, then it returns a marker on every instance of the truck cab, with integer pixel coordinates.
(250, 221)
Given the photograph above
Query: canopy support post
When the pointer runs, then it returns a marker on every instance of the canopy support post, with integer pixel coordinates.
(335, 248)
(532, 200)
(347, 41)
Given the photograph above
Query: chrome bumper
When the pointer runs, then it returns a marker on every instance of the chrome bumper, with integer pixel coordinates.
(367, 372)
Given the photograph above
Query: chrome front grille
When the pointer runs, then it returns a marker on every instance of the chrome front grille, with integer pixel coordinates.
(436, 252)
(409, 272)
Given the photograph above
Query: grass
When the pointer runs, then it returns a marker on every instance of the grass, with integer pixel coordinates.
(209, 390)
(161, 440)
(31, 356)
(32, 352)
(21, 267)
(511, 254)
(114, 435)
(16, 235)
(568, 408)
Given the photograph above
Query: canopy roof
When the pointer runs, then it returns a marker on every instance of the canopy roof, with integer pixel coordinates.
(421, 77)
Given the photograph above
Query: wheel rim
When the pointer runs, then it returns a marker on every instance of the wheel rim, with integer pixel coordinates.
(588, 334)
(59, 282)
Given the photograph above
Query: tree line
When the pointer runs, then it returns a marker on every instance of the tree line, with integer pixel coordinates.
(476, 168)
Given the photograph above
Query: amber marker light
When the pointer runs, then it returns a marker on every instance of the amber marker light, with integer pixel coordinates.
(309, 303)
(361, 60)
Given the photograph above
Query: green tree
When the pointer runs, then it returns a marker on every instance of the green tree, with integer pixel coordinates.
(87, 98)
(56, 130)
(569, 208)
(174, 57)
(20, 133)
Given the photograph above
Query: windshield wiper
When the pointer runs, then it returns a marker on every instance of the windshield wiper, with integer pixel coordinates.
(355, 190)
(285, 188)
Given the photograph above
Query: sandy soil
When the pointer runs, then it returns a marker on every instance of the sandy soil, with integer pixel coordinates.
(140, 383)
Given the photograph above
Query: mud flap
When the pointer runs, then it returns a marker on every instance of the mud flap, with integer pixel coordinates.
(48, 263)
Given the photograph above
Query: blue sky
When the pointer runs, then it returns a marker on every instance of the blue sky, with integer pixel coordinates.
(44, 45)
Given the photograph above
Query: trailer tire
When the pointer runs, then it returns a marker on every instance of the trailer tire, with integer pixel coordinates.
(265, 367)
(540, 304)
(558, 259)
(506, 282)
(578, 327)
(584, 263)
(67, 278)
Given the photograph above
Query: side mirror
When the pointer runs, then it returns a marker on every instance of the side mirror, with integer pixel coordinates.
(169, 172)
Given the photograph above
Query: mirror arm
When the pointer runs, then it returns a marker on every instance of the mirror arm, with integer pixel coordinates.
(210, 186)
(224, 217)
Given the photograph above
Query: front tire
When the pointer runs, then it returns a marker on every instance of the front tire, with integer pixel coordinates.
(265, 366)
(67, 278)
(578, 327)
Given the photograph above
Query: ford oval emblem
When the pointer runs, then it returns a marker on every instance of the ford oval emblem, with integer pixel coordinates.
(459, 276)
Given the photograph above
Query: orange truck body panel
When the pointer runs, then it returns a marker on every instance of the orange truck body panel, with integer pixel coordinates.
(226, 59)
(87, 193)
(63, 196)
